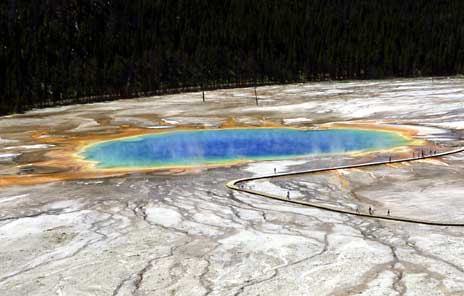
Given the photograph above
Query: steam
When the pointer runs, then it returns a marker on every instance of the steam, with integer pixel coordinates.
(188, 148)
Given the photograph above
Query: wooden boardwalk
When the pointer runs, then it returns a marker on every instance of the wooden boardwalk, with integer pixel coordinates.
(235, 185)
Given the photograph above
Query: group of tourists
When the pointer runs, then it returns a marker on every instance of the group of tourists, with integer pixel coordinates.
(372, 211)
(420, 154)
(423, 153)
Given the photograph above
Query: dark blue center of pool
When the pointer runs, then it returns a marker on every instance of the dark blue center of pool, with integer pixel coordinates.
(185, 148)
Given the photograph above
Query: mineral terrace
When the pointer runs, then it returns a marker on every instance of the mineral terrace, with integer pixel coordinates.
(182, 232)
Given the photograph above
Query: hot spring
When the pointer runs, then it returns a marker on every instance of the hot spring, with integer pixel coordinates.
(201, 147)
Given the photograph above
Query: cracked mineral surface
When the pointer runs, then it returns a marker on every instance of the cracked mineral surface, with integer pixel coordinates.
(182, 232)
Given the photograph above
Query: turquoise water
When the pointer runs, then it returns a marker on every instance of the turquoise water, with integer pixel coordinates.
(185, 148)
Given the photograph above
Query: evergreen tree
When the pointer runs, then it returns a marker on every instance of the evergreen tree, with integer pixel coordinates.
(56, 52)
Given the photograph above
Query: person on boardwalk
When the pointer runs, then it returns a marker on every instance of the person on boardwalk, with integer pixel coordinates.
(370, 211)
(388, 212)
(288, 195)
(275, 171)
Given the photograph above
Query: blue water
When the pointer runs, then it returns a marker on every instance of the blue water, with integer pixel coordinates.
(184, 148)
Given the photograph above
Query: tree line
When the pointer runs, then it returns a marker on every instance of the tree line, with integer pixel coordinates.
(55, 51)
